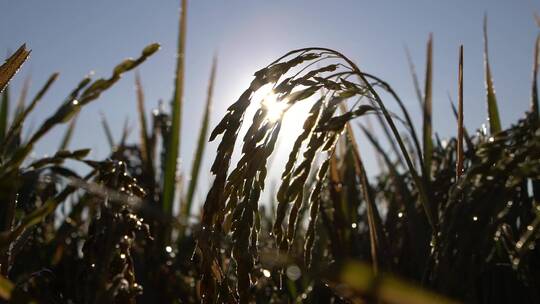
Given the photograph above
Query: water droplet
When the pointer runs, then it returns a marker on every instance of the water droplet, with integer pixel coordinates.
(168, 249)
(519, 244)
(266, 273)
(122, 256)
(353, 225)
(530, 228)
(294, 272)
(491, 139)
(75, 102)
(475, 218)
(400, 214)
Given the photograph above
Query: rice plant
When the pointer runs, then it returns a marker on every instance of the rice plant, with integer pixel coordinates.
(441, 222)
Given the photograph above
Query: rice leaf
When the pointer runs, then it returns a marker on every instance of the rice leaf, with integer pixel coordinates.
(4, 114)
(22, 97)
(408, 119)
(201, 143)
(493, 111)
(376, 234)
(126, 130)
(460, 156)
(16, 125)
(66, 139)
(12, 66)
(416, 83)
(145, 145)
(169, 179)
(427, 124)
(534, 95)
(107, 130)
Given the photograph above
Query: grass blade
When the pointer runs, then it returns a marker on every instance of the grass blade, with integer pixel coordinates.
(460, 156)
(66, 139)
(201, 143)
(107, 130)
(4, 114)
(126, 130)
(142, 119)
(12, 66)
(376, 235)
(416, 83)
(493, 111)
(169, 181)
(22, 97)
(19, 119)
(427, 127)
(534, 98)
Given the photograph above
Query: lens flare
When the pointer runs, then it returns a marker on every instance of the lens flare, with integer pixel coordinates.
(274, 107)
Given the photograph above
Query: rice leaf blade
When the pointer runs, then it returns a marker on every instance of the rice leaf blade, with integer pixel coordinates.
(66, 139)
(201, 143)
(142, 118)
(4, 114)
(169, 182)
(427, 123)
(460, 152)
(493, 111)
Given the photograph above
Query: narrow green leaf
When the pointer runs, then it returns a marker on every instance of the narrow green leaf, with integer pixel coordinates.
(201, 143)
(427, 126)
(376, 235)
(460, 156)
(18, 121)
(22, 97)
(169, 179)
(69, 133)
(534, 97)
(142, 119)
(493, 111)
(107, 130)
(416, 83)
(4, 114)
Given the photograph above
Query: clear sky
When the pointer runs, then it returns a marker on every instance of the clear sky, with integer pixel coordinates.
(74, 37)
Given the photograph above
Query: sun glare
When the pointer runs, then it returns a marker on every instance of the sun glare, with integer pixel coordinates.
(274, 107)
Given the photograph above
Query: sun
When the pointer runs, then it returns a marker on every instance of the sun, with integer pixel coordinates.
(274, 107)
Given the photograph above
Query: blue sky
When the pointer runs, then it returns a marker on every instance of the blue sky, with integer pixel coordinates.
(75, 37)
